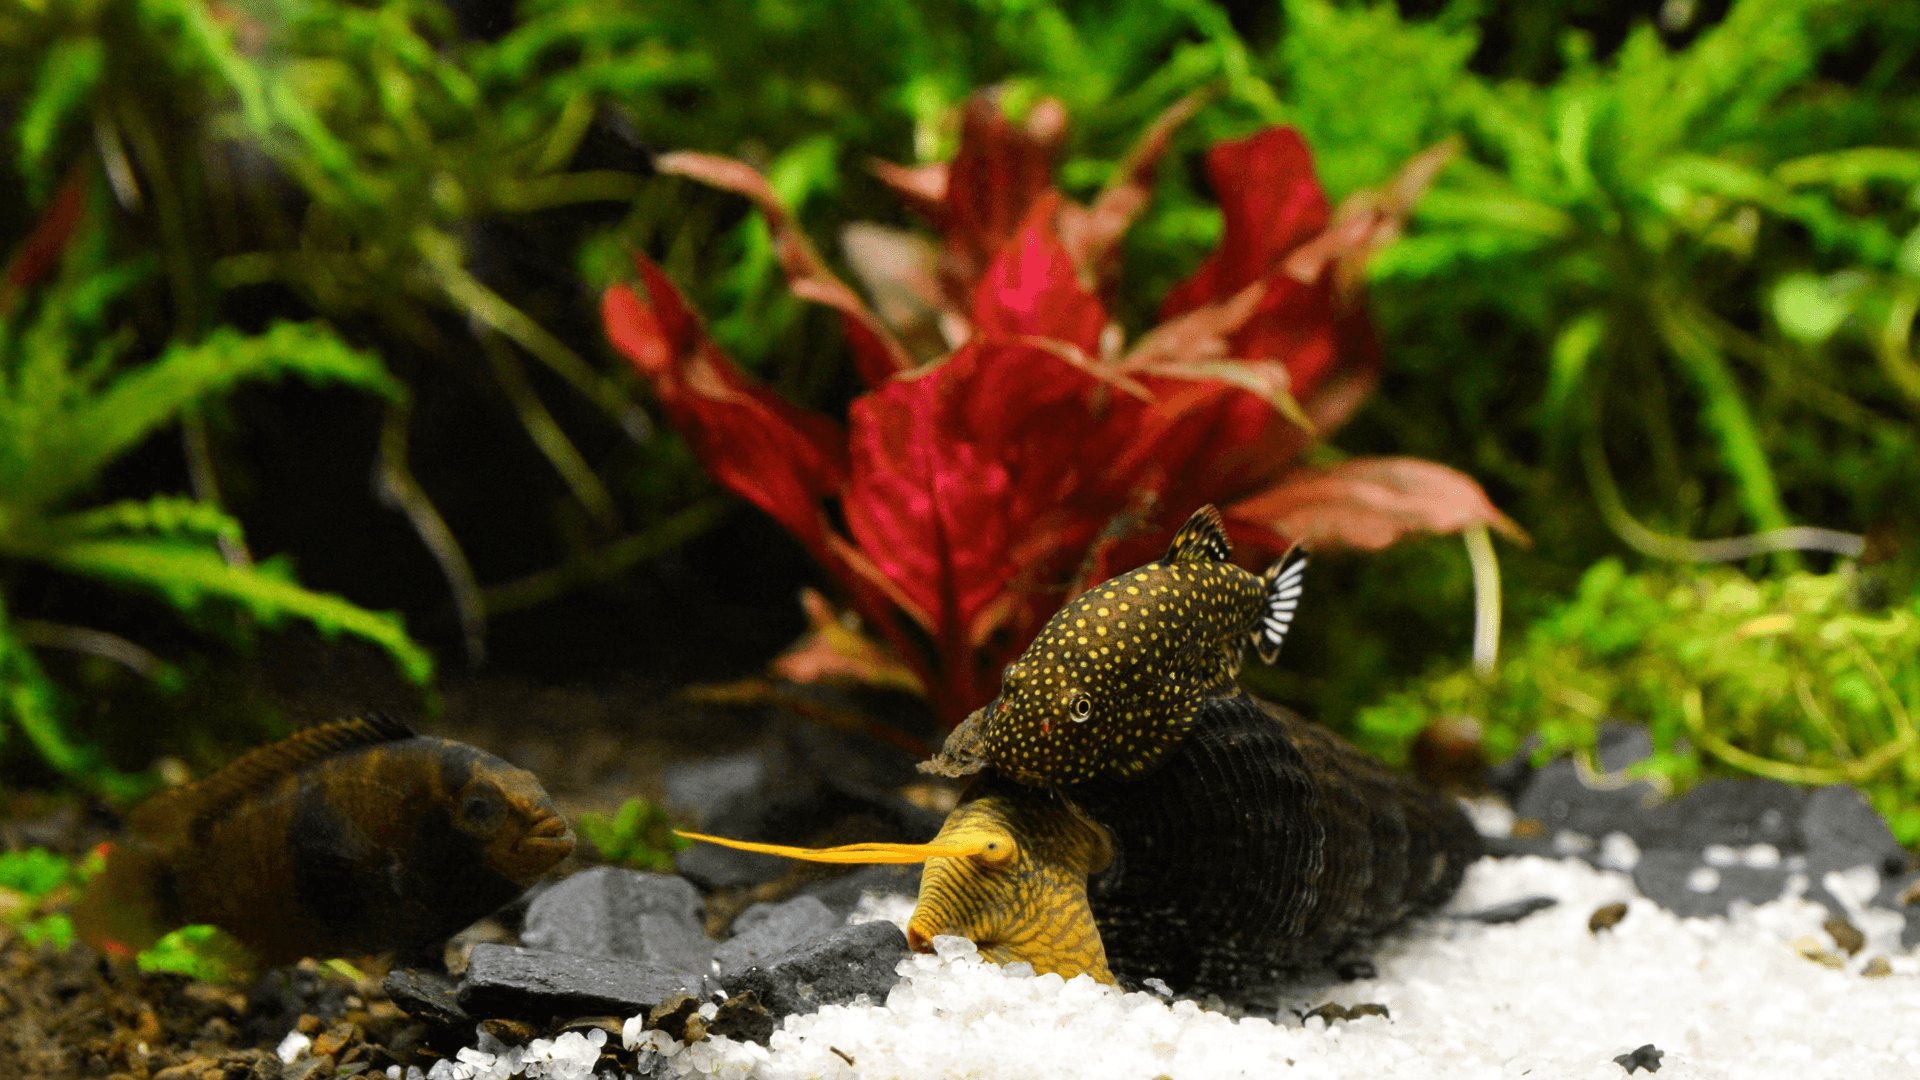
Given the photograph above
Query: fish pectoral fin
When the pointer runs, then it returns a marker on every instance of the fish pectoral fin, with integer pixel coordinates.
(1217, 670)
(849, 853)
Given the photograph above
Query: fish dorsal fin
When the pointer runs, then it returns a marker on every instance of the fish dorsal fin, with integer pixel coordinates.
(1202, 539)
(257, 769)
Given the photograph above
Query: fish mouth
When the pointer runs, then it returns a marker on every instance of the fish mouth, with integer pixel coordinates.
(549, 837)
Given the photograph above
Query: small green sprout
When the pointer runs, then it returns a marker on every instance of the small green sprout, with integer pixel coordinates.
(639, 834)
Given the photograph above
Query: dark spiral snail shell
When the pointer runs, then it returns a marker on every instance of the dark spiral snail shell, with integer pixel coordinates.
(1265, 847)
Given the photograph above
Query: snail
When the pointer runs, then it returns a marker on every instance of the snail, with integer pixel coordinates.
(1249, 847)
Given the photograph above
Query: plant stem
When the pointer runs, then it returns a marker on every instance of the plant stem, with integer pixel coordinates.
(546, 434)
(605, 562)
(1486, 599)
(400, 489)
(1606, 495)
(1725, 412)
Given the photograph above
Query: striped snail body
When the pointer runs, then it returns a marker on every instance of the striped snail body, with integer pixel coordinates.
(1217, 842)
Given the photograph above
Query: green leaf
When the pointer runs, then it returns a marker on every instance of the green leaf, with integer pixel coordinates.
(1810, 308)
(67, 79)
(100, 428)
(205, 953)
(188, 576)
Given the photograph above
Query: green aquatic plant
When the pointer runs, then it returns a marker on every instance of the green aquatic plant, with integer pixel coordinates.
(33, 880)
(1788, 677)
(77, 393)
(1631, 217)
(639, 834)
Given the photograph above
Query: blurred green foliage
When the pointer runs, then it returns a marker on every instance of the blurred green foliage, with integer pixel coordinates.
(1790, 678)
(205, 953)
(1676, 264)
(73, 399)
(35, 879)
(639, 834)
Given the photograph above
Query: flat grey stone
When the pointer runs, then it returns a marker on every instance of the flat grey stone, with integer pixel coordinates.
(764, 931)
(1736, 812)
(1511, 911)
(608, 911)
(842, 894)
(1842, 830)
(1668, 878)
(827, 971)
(427, 996)
(504, 982)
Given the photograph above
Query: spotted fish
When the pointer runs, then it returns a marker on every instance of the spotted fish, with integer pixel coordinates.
(1115, 678)
(347, 839)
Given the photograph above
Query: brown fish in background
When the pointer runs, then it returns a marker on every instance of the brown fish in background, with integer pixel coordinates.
(347, 839)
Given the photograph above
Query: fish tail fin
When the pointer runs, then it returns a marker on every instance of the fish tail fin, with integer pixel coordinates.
(1281, 598)
(121, 912)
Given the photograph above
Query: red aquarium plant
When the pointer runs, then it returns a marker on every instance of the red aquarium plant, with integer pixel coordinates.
(971, 492)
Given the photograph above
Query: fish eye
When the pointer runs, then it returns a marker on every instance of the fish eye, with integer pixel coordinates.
(481, 809)
(1080, 706)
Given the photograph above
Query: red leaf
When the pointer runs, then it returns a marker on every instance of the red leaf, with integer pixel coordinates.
(1032, 288)
(1271, 203)
(971, 481)
(877, 355)
(783, 459)
(1000, 169)
(36, 255)
(1367, 504)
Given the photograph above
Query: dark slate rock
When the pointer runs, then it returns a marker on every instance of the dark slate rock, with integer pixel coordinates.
(764, 931)
(808, 783)
(842, 894)
(700, 789)
(1843, 831)
(1511, 911)
(1647, 1057)
(608, 911)
(1510, 777)
(1513, 847)
(427, 996)
(829, 971)
(1665, 876)
(1737, 813)
(1558, 798)
(504, 981)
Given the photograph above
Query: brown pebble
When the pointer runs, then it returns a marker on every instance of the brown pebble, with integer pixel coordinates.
(1877, 968)
(1844, 934)
(191, 1070)
(511, 1032)
(1912, 893)
(308, 1024)
(673, 1015)
(743, 1019)
(337, 1038)
(310, 1068)
(1606, 918)
(1328, 1012)
(1811, 948)
(1368, 1009)
(1529, 828)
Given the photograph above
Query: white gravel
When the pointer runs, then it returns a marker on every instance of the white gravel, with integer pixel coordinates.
(1543, 998)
